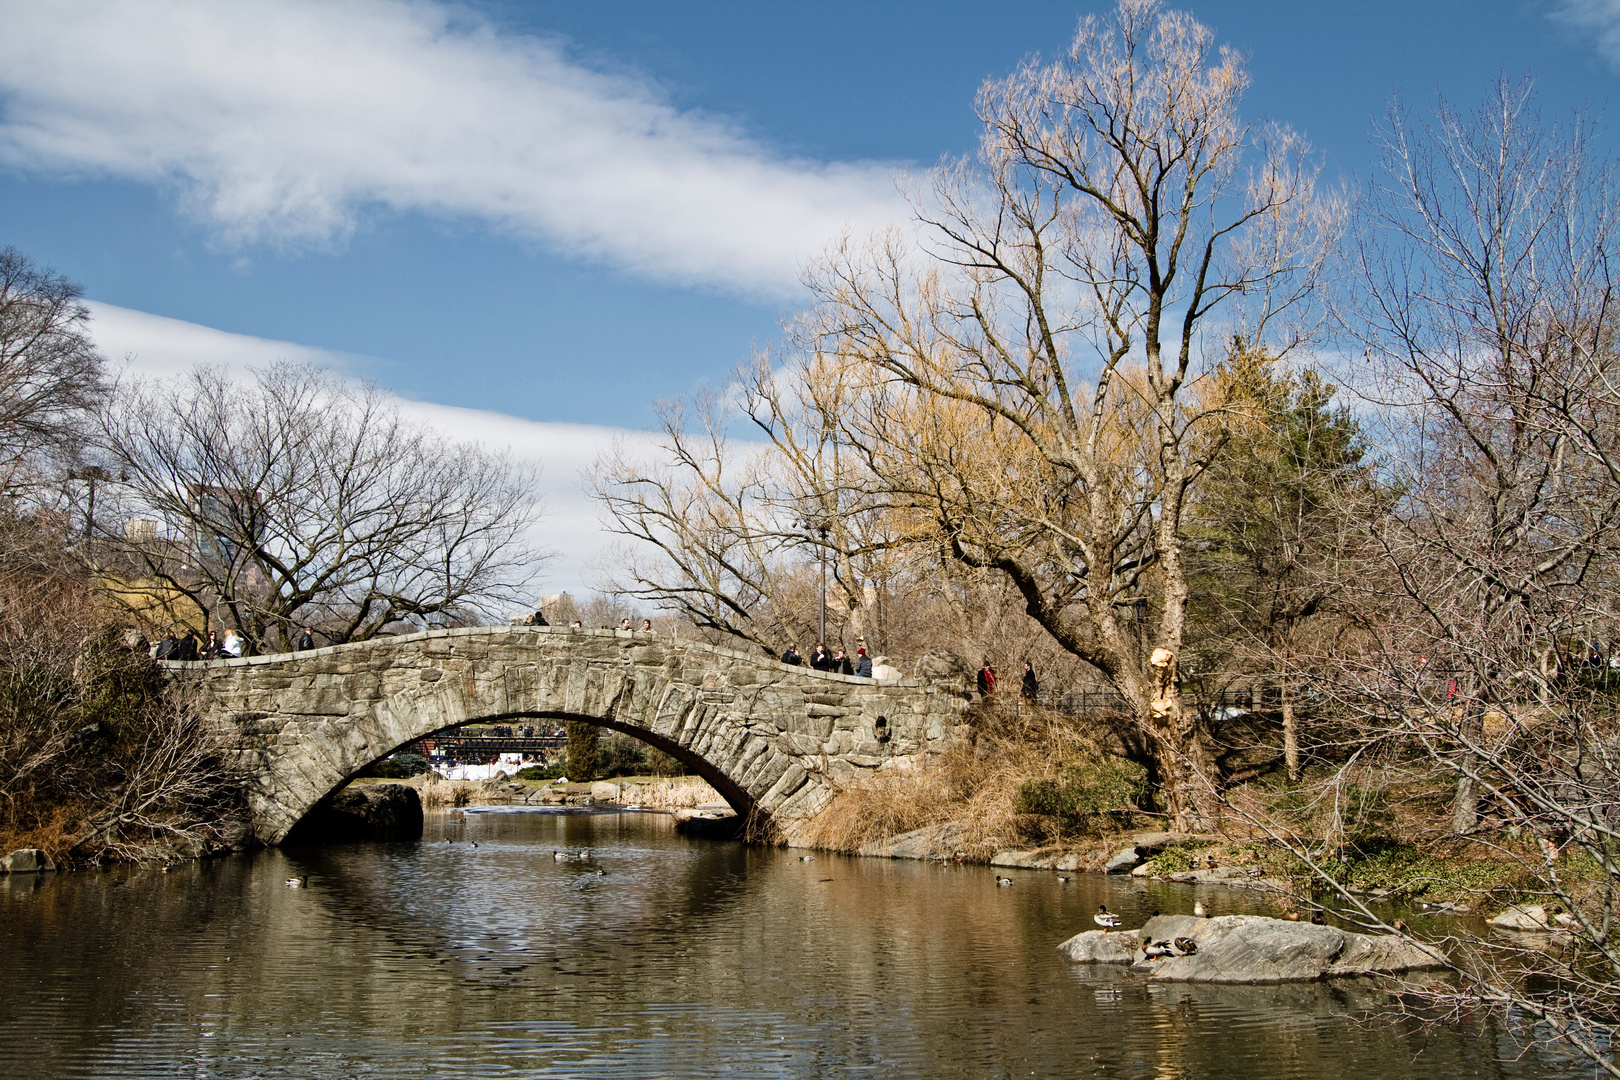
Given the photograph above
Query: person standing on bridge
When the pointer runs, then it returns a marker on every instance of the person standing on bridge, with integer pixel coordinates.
(186, 648)
(863, 664)
(231, 645)
(538, 618)
(792, 656)
(819, 658)
(306, 640)
(646, 627)
(625, 624)
(841, 664)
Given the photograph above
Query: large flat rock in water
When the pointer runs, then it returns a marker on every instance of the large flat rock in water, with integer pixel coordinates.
(1251, 949)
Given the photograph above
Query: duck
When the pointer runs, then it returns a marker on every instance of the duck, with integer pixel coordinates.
(1317, 918)
(1212, 863)
(297, 882)
(1156, 950)
(474, 843)
(1104, 917)
(560, 856)
(1063, 879)
(1186, 946)
(807, 858)
(1003, 880)
(600, 872)
(1200, 910)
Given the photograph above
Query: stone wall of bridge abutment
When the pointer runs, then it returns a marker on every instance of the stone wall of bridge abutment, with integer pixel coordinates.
(777, 741)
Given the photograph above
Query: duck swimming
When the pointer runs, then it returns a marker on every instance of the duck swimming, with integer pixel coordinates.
(1200, 910)
(297, 882)
(1003, 880)
(1105, 918)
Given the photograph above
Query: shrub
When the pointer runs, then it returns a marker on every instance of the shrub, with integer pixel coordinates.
(1090, 795)
(552, 770)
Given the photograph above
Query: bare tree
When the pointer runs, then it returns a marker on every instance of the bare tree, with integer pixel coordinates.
(296, 498)
(739, 534)
(50, 372)
(1484, 297)
(1034, 365)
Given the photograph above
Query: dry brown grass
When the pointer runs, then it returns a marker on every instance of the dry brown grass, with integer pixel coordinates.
(670, 793)
(975, 786)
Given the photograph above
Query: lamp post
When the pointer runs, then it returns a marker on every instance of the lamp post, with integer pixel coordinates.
(822, 638)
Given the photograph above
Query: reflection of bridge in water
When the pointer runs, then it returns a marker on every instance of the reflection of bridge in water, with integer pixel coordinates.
(776, 741)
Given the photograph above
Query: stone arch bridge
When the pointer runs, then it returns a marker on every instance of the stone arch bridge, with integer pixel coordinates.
(775, 740)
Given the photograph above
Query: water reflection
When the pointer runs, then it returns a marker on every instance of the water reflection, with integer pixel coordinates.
(685, 959)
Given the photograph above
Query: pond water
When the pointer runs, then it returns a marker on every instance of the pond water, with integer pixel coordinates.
(684, 959)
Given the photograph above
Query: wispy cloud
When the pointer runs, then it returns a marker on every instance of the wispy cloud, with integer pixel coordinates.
(1598, 18)
(284, 122)
(154, 347)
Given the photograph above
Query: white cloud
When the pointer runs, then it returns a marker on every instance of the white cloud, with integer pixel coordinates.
(282, 122)
(161, 348)
(1599, 18)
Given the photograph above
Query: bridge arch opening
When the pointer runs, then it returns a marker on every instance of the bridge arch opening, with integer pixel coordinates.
(733, 793)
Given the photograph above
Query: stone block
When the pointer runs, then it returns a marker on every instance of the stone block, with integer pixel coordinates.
(28, 860)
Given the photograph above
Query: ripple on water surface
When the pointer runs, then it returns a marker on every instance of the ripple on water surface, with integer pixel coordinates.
(487, 956)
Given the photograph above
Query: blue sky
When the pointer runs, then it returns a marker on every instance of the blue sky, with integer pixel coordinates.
(560, 212)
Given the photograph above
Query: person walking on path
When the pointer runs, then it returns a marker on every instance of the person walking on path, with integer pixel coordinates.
(863, 664)
(1030, 688)
(987, 679)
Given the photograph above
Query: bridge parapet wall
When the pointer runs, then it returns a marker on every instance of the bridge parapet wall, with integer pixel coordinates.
(776, 740)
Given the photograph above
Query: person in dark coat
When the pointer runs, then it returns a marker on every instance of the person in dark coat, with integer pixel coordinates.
(186, 648)
(820, 659)
(1030, 688)
(211, 650)
(165, 648)
(792, 656)
(987, 679)
(842, 665)
(863, 664)
(539, 619)
(306, 640)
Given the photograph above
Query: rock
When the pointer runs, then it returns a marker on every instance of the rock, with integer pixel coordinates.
(929, 842)
(1025, 860)
(363, 812)
(1101, 947)
(1532, 917)
(1224, 874)
(883, 672)
(1122, 862)
(1149, 842)
(606, 791)
(1145, 870)
(708, 824)
(1255, 949)
(28, 860)
(1071, 861)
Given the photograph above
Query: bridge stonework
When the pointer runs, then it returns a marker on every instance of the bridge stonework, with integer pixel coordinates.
(775, 740)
